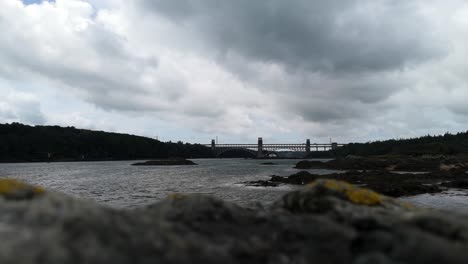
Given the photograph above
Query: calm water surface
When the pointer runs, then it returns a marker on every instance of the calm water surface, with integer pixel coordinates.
(118, 184)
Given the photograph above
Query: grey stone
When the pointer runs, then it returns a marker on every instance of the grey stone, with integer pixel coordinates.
(317, 224)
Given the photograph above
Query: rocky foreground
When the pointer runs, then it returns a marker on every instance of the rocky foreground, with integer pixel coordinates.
(325, 222)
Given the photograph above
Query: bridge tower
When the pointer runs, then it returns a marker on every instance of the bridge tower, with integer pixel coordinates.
(334, 145)
(260, 148)
(307, 147)
(213, 145)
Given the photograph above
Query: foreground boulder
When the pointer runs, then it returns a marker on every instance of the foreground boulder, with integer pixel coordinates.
(325, 222)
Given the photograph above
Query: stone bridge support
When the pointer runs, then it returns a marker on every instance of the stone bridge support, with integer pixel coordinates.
(260, 148)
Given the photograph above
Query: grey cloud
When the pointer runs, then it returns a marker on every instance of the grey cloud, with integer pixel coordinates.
(21, 108)
(337, 60)
(326, 36)
(312, 67)
(111, 81)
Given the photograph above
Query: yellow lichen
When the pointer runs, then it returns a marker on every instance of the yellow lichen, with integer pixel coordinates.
(38, 190)
(364, 196)
(176, 196)
(10, 186)
(352, 193)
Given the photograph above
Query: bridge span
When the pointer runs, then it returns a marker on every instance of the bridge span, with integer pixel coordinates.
(260, 149)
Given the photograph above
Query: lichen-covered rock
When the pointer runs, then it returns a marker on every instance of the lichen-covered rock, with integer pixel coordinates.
(14, 189)
(349, 192)
(324, 196)
(326, 222)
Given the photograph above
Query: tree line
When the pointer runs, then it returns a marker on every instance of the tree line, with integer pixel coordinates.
(447, 144)
(23, 143)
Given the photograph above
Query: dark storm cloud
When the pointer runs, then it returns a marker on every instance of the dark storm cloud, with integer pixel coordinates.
(326, 36)
(338, 60)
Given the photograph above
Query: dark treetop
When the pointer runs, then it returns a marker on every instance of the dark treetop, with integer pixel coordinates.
(446, 144)
(53, 143)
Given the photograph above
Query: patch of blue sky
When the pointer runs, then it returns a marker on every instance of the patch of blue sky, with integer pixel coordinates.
(30, 2)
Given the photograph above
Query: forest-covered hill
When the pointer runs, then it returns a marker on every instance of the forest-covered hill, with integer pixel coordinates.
(447, 144)
(53, 143)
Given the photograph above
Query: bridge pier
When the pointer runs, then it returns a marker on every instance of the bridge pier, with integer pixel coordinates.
(260, 148)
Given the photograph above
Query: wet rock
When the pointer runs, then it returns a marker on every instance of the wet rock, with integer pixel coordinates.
(300, 178)
(403, 188)
(385, 182)
(386, 163)
(311, 164)
(325, 222)
(269, 163)
(261, 183)
(164, 162)
(458, 183)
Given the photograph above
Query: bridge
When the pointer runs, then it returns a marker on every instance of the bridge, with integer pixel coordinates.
(261, 150)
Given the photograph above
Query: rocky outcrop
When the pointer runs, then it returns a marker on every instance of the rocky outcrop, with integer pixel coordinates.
(269, 163)
(165, 162)
(325, 222)
(387, 163)
(386, 182)
(261, 183)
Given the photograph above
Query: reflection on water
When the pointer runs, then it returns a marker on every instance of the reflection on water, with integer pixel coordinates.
(118, 184)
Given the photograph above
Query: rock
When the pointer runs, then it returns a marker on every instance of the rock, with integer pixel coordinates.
(458, 183)
(168, 162)
(261, 183)
(300, 178)
(406, 188)
(12, 189)
(325, 222)
(387, 230)
(269, 163)
(411, 164)
(388, 183)
(311, 164)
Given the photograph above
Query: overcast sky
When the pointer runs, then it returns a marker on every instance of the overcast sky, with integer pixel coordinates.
(191, 70)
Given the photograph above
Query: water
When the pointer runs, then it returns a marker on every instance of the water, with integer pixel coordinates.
(455, 200)
(118, 184)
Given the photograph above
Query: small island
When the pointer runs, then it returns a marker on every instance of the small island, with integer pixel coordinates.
(165, 162)
(269, 163)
